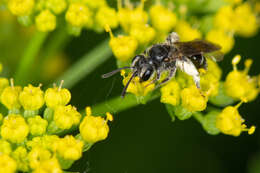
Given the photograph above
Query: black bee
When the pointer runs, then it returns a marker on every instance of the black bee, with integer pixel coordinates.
(170, 56)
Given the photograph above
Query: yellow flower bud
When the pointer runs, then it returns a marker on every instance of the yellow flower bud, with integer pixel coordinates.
(21, 7)
(5, 147)
(78, 14)
(48, 166)
(106, 16)
(31, 98)
(220, 37)
(186, 31)
(230, 122)
(192, 99)
(171, 93)
(14, 128)
(57, 6)
(37, 155)
(37, 125)
(7, 164)
(70, 148)
(47, 141)
(136, 87)
(143, 33)
(123, 16)
(94, 128)
(57, 96)
(20, 156)
(123, 47)
(3, 84)
(162, 19)
(245, 22)
(66, 116)
(238, 84)
(10, 97)
(45, 21)
(224, 18)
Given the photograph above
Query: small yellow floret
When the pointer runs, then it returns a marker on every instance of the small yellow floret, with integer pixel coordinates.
(106, 16)
(171, 93)
(136, 87)
(57, 6)
(49, 166)
(31, 98)
(57, 96)
(224, 18)
(66, 116)
(70, 148)
(14, 128)
(192, 99)
(45, 21)
(5, 147)
(186, 31)
(47, 141)
(7, 164)
(37, 125)
(94, 128)
(230, 122)
(20, 155)
(222, 38)
(162, 19)
(10, 97)
(143, 33)
(37, 155)
(78, 14)
(21, 7)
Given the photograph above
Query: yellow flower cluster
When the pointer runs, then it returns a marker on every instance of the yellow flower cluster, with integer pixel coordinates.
(30, 142)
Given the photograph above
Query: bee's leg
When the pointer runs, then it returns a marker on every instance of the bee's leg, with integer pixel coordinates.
(158, 76)
(172, 72)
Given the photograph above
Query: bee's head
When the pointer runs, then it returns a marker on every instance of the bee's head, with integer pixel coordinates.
(143, 68)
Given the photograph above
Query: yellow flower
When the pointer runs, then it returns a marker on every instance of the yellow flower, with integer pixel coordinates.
(245, 22)
(66, 116)
(143, 33)
(171, 93)
(14, 128)
(186, 31)
(47, 141)
(78, 14)
(220, 37)
(70, 148)
(37, 155)
(94, 128)
(95, 4)
(20, 156)
(224, 18)
(48, 166)
(57, 6)
(31, 98)
(230, 122)
(106, 16)
(238, 84)
(10, 97)
(192, 99)
(3, 84)
(37, 125)
(57, 96)
(5, 147)
(136, 87)
(123, 47)
(45, 21)
(162, 19)
(7, 164)
(21, 7)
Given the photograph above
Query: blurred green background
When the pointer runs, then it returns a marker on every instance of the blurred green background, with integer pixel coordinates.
(143, 139)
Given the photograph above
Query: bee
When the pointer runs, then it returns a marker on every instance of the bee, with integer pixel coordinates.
(169, 56)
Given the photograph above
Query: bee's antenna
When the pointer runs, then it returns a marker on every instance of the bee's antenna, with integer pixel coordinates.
(107, 75)
(128, 82)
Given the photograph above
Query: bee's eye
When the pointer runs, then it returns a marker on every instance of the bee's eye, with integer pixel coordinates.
(147, 74)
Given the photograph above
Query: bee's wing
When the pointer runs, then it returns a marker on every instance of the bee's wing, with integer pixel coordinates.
(215, 56)
(197, 47)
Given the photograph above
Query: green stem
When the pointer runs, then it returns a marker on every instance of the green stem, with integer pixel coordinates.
(29, 56)
(118, 104)
(86, 64)
(199, 117)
